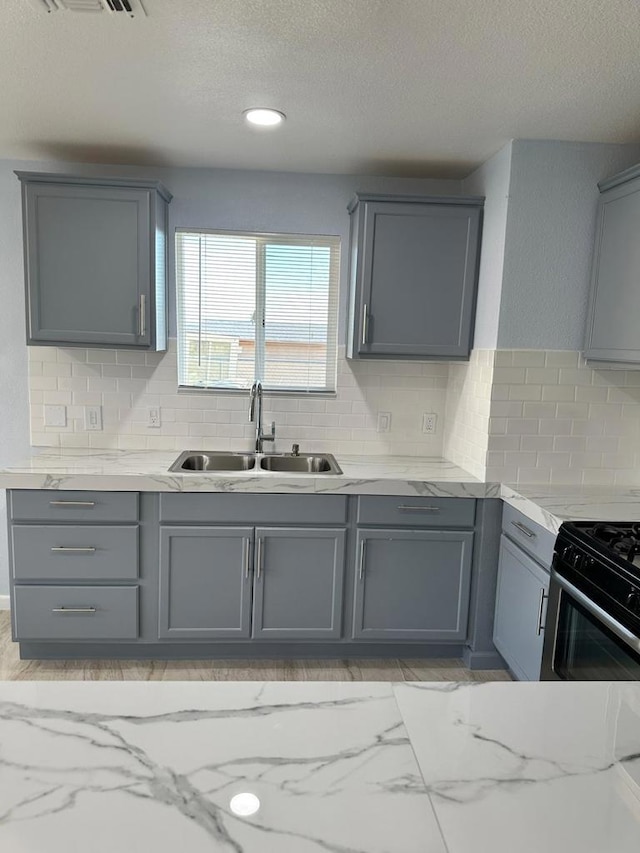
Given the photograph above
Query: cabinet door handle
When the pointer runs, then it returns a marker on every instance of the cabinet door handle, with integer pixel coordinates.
(88, 504)
(142, 316)
(68, 610)
(259, 557)
(365, 324)
(361, 570)
(58, 549)
(523, 529)
(543, 596)
(409, 508)
(247, 548)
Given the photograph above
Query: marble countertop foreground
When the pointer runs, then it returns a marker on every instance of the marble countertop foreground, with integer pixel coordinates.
(337, 767)
(148, 471)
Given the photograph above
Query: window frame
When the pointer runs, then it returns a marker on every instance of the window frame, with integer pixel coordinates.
(263, 238)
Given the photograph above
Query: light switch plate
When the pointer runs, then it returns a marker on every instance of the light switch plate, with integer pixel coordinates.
(55, 416)
(384, 422)
(93, 417)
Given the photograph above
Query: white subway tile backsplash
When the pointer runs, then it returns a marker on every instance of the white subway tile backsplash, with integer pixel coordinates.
(126, 383)
(510, 415)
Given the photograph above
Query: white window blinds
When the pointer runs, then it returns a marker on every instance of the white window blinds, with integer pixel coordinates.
(257, 307)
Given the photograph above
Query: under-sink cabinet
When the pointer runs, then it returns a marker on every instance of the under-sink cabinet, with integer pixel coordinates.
(206, 574)
(210, 576)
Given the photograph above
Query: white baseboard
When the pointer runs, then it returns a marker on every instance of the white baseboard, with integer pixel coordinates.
(4, 602)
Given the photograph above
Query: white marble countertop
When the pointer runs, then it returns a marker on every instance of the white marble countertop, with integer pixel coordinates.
(337, 767)
(148, 471)
(123, 470)
(550, 506)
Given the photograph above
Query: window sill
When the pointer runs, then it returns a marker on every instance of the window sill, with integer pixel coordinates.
(244, 392)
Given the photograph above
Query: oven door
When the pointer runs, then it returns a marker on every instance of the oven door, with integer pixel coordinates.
(583, 642)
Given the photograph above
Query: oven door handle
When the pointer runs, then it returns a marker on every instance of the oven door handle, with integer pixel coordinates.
(601, 615)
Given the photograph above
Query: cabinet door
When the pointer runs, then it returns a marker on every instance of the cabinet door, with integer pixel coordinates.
(205, 582)
(521, 596)
(88, 264)
(418, 269)
(299, 575)
(613, 332)
(412, 584)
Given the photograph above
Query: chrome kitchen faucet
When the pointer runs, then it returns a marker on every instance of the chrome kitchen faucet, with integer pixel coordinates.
(255, 414)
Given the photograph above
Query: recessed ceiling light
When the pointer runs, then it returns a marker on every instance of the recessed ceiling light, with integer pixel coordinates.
(264, 117)
(244, 804)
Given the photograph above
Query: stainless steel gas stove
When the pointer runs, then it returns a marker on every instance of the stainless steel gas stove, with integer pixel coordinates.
(593, 618)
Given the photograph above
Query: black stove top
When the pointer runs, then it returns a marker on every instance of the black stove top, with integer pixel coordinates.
(603, 560)
(619, 540)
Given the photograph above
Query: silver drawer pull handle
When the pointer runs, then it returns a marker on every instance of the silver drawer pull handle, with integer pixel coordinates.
(73, 609)
(524, 529)
(408, 508)
(72, 503)
(57, 549)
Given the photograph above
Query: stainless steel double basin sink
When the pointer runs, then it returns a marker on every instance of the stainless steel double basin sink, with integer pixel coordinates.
(303, 463)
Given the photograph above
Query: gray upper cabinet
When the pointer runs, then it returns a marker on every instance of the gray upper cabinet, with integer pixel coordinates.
(412, 584)
(521, 596)
(299, 579)
(413, 277)
(613, 331)
(95, 261)
(205, 582)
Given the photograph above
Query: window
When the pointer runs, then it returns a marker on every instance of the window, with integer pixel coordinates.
(257, 307)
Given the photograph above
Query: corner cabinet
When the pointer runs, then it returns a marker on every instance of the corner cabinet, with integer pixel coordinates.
(413, 276)
(526, 554)
(613, 332)
(95, 254)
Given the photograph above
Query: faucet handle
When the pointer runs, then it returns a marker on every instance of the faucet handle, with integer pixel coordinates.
(273, 431)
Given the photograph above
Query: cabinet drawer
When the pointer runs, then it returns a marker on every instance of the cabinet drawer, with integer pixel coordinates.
(417, 512)
(52, 505)
(82, 552)
(76, 612)
(253, 509)
(533, 538)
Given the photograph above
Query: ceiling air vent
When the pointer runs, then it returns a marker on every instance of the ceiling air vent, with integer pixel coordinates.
(131, 8)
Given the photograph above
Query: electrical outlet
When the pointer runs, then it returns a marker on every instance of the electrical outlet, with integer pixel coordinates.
(384, 422)
(55, 416)
(429, 422)
(93, 417)
(153, 417)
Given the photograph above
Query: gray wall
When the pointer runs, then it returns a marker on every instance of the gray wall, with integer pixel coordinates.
(549, 239)
(491, 180)
(216, 198)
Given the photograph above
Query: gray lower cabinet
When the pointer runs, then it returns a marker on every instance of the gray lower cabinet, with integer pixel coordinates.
(414, 269)
(95, 261)
(75, 612)
(299, 579)
(205, 582)
(412, 584)
(518, 633)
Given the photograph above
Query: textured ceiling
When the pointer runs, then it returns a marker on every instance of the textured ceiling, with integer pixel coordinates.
(415, 87)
